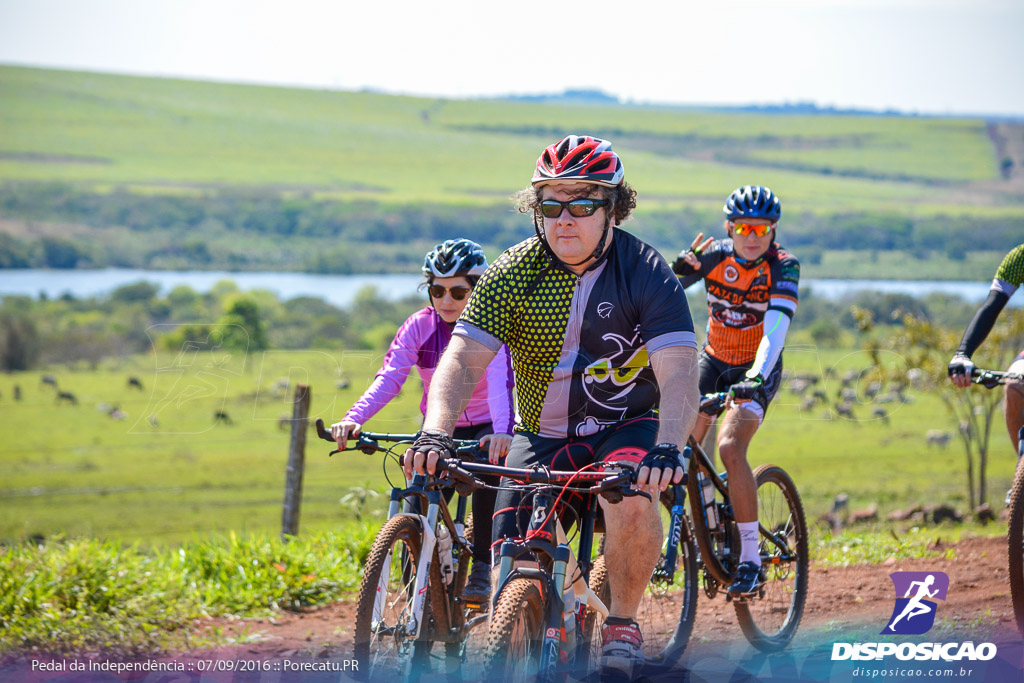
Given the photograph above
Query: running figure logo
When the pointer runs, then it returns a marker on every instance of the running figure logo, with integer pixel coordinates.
(914, 612)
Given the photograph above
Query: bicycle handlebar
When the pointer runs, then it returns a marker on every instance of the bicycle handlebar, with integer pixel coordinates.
(714, 404)
(993, 378)
(368, 442)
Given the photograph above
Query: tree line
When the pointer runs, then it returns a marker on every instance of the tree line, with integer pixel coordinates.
(136, 318)
(260, 230)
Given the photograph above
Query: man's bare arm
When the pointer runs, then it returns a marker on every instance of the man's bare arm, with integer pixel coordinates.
(458, 372)
(675, 368)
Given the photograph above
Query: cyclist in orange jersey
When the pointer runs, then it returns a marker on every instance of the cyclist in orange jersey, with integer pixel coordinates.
(751, 284)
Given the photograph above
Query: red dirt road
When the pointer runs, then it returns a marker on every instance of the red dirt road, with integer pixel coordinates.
(843, 602)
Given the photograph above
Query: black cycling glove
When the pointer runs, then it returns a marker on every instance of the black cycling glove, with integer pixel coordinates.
(960, 365)
(434, 440)
(666, 456)
(747, 389)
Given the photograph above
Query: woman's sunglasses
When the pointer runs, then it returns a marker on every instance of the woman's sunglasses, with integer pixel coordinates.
(458, 293)
(760, 230)
(578, 208)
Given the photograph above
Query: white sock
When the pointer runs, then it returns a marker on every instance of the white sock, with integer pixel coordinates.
(749, 551)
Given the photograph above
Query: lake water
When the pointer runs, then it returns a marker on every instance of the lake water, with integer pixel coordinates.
(340, 289)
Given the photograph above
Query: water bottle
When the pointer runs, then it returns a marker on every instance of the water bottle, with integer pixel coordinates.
(707, 494)
(444, 553)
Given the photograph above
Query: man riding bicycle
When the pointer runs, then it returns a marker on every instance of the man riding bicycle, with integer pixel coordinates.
(1009, 276)
(600, 335)
(751, 284)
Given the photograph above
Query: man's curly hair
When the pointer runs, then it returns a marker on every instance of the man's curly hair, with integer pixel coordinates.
(622, 198)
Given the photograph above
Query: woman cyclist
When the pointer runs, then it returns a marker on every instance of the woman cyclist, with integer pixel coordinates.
(451, 269)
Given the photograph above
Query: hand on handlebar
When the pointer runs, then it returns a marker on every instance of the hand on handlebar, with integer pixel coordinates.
(960, 370)
(497, 446)
(422, 456)
(663, 465)
(341, 431)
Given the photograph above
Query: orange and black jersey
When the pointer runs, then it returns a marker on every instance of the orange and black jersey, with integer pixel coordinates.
(739, 294)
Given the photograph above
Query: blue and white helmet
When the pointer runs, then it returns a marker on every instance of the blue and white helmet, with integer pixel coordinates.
(753, 201)
(458, 257)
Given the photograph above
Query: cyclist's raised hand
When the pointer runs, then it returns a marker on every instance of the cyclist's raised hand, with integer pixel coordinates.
(960, 369)
(422, 456)
(692, 255)
(497, 446)
(663, 465)
(341, 431)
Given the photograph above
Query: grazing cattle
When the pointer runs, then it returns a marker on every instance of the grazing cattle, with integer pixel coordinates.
(799, 386)
(117, 414)
(819, 395)
(153, 422)
(17, 392)
(848, 395)
(284, 422)
(134, 383)
(850, 377)
(845, 409)
(880, 414)
(280, 386)
(886, 398)
(343, 383)
(222, 416)
(50, 380)
(807, 404)
(868, 514)
(67, 397)
(872, 389)
(937, 437)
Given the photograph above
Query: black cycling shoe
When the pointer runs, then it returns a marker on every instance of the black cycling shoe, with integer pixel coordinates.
(747, 580)
(478, 585)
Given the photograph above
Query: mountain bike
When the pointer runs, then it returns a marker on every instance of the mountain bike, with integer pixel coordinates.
(991, 379)
(769, 619)
(544, 616)
(411, 593)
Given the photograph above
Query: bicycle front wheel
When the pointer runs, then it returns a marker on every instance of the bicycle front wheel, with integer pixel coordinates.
(770, 619)
(1015, 545)
(384, 616)
(515, 636)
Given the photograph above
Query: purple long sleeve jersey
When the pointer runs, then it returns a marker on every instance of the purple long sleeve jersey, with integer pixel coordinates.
(420, 341)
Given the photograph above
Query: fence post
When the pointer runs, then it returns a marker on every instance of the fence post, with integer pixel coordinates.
(296, 462)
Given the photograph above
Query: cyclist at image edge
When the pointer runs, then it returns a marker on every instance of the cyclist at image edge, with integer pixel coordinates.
(600, 335)
(452, 269)
(1009, 276)
(751, 284)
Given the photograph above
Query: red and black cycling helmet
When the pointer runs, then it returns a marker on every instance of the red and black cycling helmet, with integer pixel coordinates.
(579, 158)
(753, 201)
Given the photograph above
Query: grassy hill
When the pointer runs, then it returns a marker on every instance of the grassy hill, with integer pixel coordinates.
(355, 158)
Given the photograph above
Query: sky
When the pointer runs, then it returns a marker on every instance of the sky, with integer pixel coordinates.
(916, 56)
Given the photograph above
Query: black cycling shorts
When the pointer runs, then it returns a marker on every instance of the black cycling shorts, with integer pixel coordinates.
(717, 376)
(625, 442)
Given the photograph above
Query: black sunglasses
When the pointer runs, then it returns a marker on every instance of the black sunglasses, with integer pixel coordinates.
(458, 293)
(578, 208)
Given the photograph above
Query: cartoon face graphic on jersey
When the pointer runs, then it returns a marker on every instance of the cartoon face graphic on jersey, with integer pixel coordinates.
(608, 380)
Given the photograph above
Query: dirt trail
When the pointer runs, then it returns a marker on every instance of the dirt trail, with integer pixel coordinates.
(842, 601)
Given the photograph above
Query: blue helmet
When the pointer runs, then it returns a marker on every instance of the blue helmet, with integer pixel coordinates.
(753, 201)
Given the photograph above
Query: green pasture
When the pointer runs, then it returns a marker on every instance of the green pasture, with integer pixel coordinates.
(74, 470)
(165, 135)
